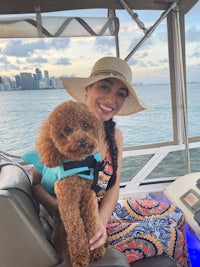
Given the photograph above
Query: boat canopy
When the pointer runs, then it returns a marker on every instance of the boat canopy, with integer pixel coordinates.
(24, 7)
(54, 26)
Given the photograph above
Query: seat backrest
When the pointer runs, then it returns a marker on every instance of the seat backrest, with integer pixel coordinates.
(22, 239)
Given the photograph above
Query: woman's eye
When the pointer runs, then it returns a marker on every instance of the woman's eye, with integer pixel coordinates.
(85, 126)
(122, 94)
(104, 88)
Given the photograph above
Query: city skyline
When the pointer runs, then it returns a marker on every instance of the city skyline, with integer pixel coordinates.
(29, 81)
(75, 56)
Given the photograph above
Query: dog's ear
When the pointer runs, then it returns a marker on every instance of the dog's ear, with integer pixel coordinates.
(50, 156)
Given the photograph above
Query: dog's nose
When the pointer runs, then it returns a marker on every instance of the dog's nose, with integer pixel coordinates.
(83, 143)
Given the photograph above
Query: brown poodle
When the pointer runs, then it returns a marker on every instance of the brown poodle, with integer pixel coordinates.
(71, 133)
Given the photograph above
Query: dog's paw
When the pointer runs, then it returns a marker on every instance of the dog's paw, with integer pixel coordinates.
(80, 261)
(97, 254)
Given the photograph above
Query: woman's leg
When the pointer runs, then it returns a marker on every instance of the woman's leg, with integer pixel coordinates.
(137, 210)
(147, 228)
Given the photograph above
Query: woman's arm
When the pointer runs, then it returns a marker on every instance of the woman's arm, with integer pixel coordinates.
(109, 201)
(43, 197)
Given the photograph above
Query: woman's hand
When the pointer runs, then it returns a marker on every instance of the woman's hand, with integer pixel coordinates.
(99, 238)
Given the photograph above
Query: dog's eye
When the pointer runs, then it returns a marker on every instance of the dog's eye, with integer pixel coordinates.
(68, 130)
(85, 126)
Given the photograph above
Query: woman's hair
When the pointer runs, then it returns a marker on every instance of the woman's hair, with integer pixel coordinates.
(109, 127)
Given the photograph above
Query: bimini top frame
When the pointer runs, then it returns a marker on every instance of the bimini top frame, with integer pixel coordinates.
(24, 7)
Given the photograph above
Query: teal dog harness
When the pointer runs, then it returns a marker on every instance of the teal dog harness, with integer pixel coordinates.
(87, 168)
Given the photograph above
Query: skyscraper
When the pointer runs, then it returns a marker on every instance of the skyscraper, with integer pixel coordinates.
(1, 84)
(26, 80)
(46, 77)
(37, 78)
(18, 81)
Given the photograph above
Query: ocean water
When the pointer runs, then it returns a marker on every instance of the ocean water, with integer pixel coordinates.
(22, 112)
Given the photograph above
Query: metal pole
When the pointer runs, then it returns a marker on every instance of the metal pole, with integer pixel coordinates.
(181, 82)
(111, 13)
(133, 15)
(39, 21)
(150, 31)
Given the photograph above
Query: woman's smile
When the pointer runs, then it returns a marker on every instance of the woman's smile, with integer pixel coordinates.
(106, 97)
(105, 108)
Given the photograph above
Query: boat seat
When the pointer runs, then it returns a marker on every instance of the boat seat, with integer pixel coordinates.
(23, 241)
(157, 261)
(25, 236)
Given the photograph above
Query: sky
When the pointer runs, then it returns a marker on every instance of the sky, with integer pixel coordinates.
(76, 56)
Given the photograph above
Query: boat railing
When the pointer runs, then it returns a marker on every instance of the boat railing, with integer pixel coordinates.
(152, 169)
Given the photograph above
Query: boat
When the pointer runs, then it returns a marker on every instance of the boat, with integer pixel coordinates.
(23, 240)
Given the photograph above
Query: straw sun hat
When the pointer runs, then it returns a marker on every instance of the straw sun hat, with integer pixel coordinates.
(104, 68)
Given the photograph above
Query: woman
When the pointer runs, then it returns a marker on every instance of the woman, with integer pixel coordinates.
(137, 228)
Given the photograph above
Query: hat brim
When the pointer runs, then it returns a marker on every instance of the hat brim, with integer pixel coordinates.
(75, 87)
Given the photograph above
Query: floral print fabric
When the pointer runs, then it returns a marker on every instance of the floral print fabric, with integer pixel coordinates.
(145, 228)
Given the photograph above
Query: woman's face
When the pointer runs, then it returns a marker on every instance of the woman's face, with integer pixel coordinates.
(106, 97)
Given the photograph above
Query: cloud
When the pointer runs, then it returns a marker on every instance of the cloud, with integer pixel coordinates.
(62, 61)
(146, 45)
(143, 55)
(37, 60)
(26, 48)
(138, 58)
(6, 65)
(59, 43)
(161, 36)
(196, 54)
(143, 61)
(133, 61)
(23, 48)
(20, 55)
(193, 34)
(163, 61)
(16, 48)
(104, 44)
(138, 61)
(4, 60)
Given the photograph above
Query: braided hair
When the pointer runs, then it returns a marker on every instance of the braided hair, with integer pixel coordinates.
(109, 127)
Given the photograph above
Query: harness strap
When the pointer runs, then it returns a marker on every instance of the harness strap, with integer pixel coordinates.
(91, 163)
(98, 167)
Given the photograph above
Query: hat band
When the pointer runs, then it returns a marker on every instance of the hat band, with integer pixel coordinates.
(107, 73)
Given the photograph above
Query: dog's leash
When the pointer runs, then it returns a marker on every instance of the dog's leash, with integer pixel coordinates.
(91, 163)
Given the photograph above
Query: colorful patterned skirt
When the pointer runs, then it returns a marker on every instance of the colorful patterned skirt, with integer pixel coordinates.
(147, 228)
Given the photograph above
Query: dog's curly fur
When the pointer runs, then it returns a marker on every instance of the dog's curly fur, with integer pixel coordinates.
(71, 132)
